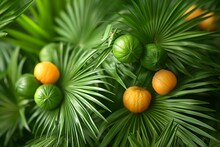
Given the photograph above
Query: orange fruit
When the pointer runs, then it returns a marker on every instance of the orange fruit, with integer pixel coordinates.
(136, 99)
(164, 81)
(46, 73)
(193, 14)
(209, 24)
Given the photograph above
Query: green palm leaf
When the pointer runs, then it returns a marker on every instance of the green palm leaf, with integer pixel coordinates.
(5, 53)
(79, 81)
(182, 105)
(168, 135)
(9, 11)
(165, 139)
(46, 141)
(163, 23)
(12, 109)
(36, 29)
(83, 22)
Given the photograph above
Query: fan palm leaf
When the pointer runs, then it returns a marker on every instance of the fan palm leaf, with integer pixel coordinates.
(164, 23)
(182, 105)
(108, 62)
(36, 28)
(79, 81)
(46, 141)
(12, 109)
(9, 11)
(83, 22)
(5, 53)
(165, 139)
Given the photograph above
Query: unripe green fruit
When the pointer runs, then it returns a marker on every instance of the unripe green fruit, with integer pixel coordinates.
(127, 48)
(154, 57)
(27, 85)
(47, 53)
(48, 97)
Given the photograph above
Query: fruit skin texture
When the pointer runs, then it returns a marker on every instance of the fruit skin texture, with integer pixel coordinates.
(127, 48)
(47, 53)
(46, 72)
(209, 24)
(193, 14)
(48, 97)
(27, 85)
(164, 81)
(154, 57)
(136, 99)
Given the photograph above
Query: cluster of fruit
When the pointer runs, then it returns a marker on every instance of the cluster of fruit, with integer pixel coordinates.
(137, 99)
(41, 86)
(128, 49)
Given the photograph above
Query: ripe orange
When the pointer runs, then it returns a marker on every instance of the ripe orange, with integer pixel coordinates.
(136, 99)
(46, 73)
(193, 14)
(164, 81)
(209, 24)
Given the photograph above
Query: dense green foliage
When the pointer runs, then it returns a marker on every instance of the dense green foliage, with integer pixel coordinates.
(79, 37)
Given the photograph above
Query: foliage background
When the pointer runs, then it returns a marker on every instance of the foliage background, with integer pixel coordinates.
(93, 81)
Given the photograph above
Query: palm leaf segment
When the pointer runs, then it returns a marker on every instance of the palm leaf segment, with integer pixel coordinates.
(79, 82)
(36, 28)
(9, 11)
(164, 23)
(12, 108)
(181, 105)
(165, 139)
(80, 23)
(83, 22)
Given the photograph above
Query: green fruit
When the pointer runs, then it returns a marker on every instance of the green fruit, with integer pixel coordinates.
(48, 97)
(48, 52)
(154, 57)
(27, 85)
(127, 49)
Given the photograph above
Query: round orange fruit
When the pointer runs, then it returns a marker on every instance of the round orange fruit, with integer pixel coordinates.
(209, 24)
(46, 73)
(136, 99)
(193, 14)
(164, 81)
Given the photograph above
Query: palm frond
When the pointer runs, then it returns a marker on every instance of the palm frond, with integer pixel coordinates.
(164, 23)
(9, 11)
(5, 53)
(79, 82)
(83, 22)
(183, 105)
(36, 28)
(46, 141)
(12, 108)
(214, 143)
(165, 139)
